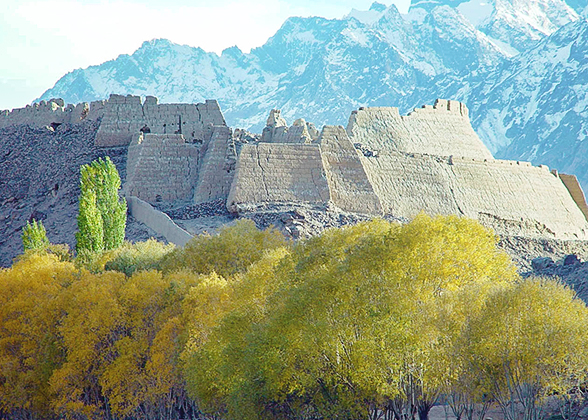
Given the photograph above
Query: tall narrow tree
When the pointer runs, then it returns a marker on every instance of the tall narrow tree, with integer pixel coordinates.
(102, 214)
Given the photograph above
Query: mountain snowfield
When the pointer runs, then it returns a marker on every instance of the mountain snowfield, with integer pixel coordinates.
(521, 66)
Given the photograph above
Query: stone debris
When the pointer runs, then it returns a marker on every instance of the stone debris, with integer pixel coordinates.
(569, 269)
(195, 211)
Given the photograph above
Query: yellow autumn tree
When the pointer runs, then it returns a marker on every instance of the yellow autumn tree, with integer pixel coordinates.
(93, 324)
(143, 381)
(530, 341)
(219, 313)
(345, 331)
(232, 251)
(30, 348)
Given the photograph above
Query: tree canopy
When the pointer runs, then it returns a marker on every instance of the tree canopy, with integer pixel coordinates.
(102, 214)
(373, 321)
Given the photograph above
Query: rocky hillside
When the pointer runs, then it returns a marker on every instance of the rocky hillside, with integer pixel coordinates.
(39, 179)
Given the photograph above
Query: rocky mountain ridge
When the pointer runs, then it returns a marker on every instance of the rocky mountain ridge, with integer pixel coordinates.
(518, 64)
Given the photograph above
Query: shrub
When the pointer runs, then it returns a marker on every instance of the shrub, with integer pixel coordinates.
(137, 257)
(34, 236)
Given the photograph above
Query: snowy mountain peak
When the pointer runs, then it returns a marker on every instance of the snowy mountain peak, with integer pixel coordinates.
(518, 64)
(429, 5)
(514, 25)
(368, 17)
(378, 7)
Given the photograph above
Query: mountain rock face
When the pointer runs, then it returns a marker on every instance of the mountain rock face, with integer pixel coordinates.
(519, 65)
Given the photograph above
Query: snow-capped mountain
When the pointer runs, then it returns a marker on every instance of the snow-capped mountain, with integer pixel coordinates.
(313, 67)
(521, 66)
(516, 25)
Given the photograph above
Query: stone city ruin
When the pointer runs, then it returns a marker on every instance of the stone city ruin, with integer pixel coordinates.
(382, 163)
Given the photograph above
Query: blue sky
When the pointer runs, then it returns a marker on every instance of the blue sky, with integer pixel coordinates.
(41, 40)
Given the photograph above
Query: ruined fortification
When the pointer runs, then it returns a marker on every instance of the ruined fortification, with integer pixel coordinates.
(124, 116)
(48, 113)
(382, 163)
(430, 160)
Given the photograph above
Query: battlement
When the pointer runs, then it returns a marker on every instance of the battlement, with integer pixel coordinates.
(124, 116)
(382, 163)
(46, 113)
(441, 129)
(443, 105)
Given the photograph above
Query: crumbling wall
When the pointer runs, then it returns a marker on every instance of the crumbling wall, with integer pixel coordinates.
(519, 192)
(278, 173)
(409, 184)
(443, 129)
(514, 198)
(46, 113)
(161, 167)
(217, 167)
(348, 183)
(277, 130)
(158, 221)
(124, 116)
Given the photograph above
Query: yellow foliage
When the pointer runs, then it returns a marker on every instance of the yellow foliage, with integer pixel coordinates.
(29, 344)
(93, 324)
(374, 318)
(529, 340)
(231, 251)
(344, 320)
(129, 257)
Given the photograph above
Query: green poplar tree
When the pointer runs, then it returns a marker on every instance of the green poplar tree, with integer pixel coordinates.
(34, 236)
(102, 214)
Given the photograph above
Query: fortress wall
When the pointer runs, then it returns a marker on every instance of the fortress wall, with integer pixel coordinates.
(217, 168)
(126, 115)
(348, 183)
(573, 186)
(513, 198)
(518, 193)
(160, 222)
(97, 110)
(277, 173)
(44, 114)
(442, 129)
(161, 168)
(194, 121)
(122, 118)
(407, 185)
